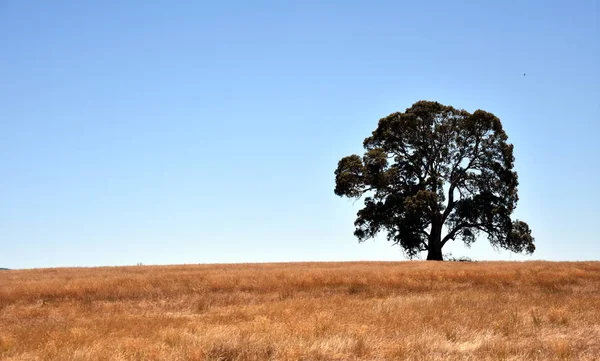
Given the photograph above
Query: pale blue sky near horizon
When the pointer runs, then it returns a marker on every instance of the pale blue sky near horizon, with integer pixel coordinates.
(207, 132)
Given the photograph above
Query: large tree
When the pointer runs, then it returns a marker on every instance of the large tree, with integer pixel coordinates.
(434, 174)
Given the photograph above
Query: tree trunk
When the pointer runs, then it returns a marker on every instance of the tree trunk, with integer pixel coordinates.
(434, 252)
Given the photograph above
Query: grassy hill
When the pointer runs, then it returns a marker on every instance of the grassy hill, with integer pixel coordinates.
(304, 311)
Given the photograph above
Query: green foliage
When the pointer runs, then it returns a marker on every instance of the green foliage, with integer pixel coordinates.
(434, 166)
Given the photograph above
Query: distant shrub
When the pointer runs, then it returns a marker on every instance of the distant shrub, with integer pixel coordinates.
(449, 257)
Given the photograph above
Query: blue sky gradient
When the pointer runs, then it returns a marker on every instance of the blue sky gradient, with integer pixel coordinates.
(193, 132)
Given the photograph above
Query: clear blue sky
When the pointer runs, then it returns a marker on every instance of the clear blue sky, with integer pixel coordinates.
(191, 131)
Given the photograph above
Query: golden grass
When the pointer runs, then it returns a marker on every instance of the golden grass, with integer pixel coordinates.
(304, 311)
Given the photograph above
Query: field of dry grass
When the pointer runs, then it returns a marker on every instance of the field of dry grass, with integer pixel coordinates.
(304, 311)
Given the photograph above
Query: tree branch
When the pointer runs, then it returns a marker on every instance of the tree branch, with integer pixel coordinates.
(450, 205)
(454, 182)
(452, 234)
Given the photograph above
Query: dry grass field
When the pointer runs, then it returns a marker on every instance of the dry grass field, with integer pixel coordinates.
(304, 311)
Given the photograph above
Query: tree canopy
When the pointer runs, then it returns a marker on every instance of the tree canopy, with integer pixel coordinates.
(433, 174)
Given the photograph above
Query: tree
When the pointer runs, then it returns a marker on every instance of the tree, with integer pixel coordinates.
(434, 174)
